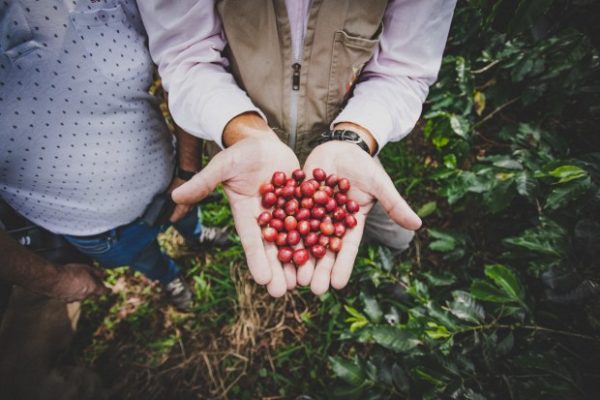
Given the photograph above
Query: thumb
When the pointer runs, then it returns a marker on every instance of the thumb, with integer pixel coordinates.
(396, 207)
(203, 183)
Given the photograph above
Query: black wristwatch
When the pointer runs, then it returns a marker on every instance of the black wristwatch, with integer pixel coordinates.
(183, 174)
(344, 135)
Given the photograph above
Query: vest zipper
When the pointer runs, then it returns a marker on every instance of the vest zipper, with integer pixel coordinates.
(296, 66)
(294, 103)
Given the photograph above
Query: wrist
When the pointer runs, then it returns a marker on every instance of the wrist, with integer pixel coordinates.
(364, 134)
(244, 126)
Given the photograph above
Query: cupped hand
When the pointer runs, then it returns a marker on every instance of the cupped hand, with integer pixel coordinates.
(72, 282)
(241, 168)
(369, 183)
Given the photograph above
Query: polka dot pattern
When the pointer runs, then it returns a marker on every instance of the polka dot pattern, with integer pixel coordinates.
(83, 147)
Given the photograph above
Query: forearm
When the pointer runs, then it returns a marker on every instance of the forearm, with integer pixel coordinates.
(245, 125)
(189, 151)
(186, 43)
(22, 266)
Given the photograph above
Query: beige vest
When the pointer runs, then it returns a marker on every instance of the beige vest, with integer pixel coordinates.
(300, 103)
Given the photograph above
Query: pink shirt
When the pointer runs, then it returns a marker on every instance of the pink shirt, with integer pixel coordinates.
(186, 41)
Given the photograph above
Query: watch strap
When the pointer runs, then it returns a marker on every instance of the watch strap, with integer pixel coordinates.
(344, 135)
(183, 174)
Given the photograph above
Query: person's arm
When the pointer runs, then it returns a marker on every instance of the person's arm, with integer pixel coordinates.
(70, 282)
(186, 42)
(387, 100)
(189, 159)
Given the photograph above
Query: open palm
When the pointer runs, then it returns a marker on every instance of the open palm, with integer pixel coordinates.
(370, 183)
(241, 169)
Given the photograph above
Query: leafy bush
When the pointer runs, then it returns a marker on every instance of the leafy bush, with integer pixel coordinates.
(501, 298)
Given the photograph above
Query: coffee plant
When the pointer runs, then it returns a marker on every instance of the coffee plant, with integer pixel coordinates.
(499, 299)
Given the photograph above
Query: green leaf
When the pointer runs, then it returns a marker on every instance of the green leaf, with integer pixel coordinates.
(347, 370)
(436, 331)
(564, 194)
(444, 242)
(547, 239)
(460, 126)
(371, 308)
(486, 291)
(395, 339)
(427, 209)
(439, 278)
(567, 173)
(507, 280)
(466, 308)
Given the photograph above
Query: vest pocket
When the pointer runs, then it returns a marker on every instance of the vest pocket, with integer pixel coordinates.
(116, 48)
(349, 56)
(16, 37)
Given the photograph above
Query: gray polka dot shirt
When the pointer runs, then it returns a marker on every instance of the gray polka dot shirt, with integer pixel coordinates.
(83, 147)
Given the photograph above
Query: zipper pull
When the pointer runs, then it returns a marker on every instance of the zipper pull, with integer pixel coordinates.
(296, 76)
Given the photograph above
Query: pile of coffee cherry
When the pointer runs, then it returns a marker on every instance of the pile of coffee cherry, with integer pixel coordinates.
(306, 217)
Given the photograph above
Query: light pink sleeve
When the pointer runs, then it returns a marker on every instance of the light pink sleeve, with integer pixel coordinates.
(393, 86)
(186, 41)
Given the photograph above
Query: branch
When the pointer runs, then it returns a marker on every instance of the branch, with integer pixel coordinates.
(496, 111)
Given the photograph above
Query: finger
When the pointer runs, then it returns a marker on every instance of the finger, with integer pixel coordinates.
(203, 183)
(290, 276)
(278, 284)
(305, 273)
(179, 212)
(396, 207)
(344, 262)
(251, 237)
(320, 279)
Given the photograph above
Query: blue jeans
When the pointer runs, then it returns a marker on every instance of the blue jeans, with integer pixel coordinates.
(135, 245)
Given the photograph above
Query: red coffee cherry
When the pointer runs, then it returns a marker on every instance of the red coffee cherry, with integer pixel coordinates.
(269, 199)
(291, 207)
(298, 192)
(307, 189)
(276, 224)
(331, 205)
(319, 174)
(264, 218)
(310, 239)
(327, 190)
(339, 214)
(335, 244)
(291, 182)
(285, 254)
(269, 234)
(288, 192)
(303, 214)
(317, 212)
(326, 228)
(339, 229)
(352, 206)
(303, 227)
(331, 180)
(281, 239)
(320, 197)
(350, 221)
(343, 185)
(307, 202)
(318, 251)
(290, 223)
(279, 213)
(298, 175)
(266, 188)
(293, 237)
(341, 198)
(300, 257)
(280, 202)
(323, 240)
(278, 179)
